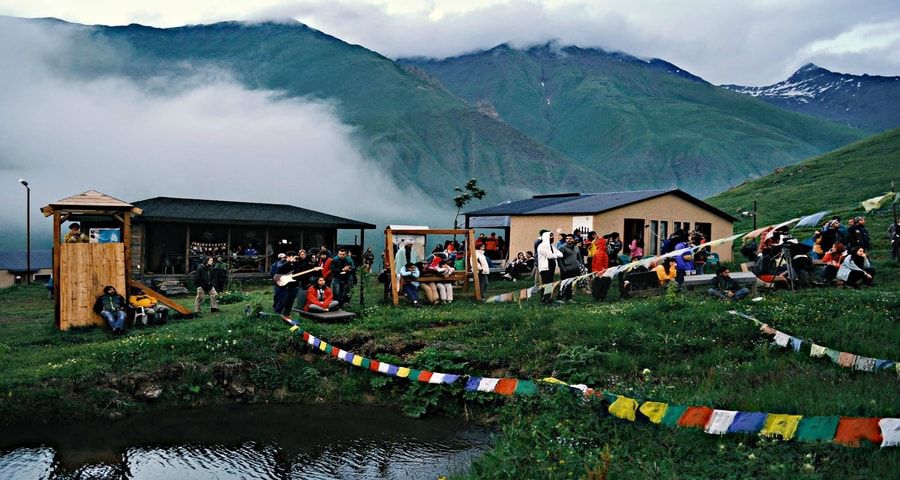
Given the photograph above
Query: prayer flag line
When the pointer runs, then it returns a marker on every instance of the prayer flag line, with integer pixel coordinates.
(849, 431)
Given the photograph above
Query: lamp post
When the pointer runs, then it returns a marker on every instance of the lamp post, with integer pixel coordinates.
(27, 231)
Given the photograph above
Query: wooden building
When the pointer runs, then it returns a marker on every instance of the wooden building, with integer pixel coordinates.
(651, 215)
(173, 235)
(81, 270)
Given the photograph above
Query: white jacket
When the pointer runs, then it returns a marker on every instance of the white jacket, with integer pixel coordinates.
(545, 252)
(483, 265)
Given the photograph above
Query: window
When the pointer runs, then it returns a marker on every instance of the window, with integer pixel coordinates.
(705, 229)
(663, 232)
(654, 241)
(634, 228)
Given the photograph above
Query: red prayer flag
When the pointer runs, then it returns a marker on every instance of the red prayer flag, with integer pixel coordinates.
(851, 430)
(425, 376)
(374, 365)
(506, 386)
(335, 352)
(696, 417)
(305, 336)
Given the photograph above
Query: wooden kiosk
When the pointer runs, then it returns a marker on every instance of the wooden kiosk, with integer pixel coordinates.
(469, 257)
(81, 270)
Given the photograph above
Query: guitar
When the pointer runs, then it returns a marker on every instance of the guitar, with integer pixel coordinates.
(283, 279)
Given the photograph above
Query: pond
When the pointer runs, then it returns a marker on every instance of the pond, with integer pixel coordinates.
(244, 442)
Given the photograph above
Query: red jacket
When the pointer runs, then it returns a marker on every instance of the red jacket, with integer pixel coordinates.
(600, 260)
(326, 268)
(312, 298)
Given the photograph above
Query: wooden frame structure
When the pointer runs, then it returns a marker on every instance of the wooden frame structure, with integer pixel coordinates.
(75, 265)
(471, 261)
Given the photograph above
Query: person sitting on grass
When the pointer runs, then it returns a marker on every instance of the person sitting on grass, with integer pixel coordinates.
(319, 297)
(856, 270)
(833, 259)
(666, 272)
(725, 287)
(111, 307)
(409, 275)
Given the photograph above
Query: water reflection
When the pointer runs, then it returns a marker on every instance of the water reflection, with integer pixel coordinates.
(258, 442)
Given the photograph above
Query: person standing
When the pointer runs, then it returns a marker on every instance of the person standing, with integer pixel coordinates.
(684, 261)
(75, 235)
(894, 236)
(613, 247)
(283, 301)
(569, 266)
(600, 260)
(111, 307)
(342, 271)
(483, 267)
(368, 260)
(203, 280)
(547, 257)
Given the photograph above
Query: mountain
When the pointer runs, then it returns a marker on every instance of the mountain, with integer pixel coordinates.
(422, 135)
(643, 123)
(869, 102)
(835, 181)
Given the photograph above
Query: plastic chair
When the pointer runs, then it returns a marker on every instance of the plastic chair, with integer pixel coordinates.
(140, 313)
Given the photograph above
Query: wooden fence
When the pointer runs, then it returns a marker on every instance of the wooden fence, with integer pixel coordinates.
(84, 269)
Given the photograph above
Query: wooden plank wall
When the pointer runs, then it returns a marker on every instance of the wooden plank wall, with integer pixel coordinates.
(84, 269)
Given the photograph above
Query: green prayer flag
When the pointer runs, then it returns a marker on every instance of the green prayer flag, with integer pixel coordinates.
(817, 429)
(366, 363)
(526, 387)
(414, 375)
(610, 397)
(329, 349)
(673, 414)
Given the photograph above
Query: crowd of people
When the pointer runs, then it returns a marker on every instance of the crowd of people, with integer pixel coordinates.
(326, 279)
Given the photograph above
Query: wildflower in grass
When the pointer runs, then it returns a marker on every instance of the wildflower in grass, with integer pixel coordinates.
(807, 466)
(752, 456)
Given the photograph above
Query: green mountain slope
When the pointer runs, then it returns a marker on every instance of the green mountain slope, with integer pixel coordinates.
(645, 124)
(836, 181)
(418, 132)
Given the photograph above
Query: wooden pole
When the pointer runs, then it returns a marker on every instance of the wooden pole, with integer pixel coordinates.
(470, 247)
(362, 261)
(56, 247)
(265, 251)
(126, 239)
(392, 270)
(187, 249)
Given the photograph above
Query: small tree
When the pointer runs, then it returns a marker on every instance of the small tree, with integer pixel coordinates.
(466, 194)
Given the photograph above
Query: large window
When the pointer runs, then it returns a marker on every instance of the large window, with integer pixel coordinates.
(634, 229)
(653, 241)
(705, 229)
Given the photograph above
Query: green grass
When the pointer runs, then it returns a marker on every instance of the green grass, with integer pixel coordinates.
(695, 351)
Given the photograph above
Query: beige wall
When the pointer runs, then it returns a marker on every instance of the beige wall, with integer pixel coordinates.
(669, 208)
(8, 279)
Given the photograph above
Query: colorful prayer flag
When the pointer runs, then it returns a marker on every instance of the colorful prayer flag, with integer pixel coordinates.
(817, 429)
(795, 343)
(816, 351)
(436, 378)
(472, 384)
(487, 384)
(812, 220)
(357, 361)
(424, 376)
(781, 425)
(890, 431)
(402, 372)
(782, 339)
(883, 364)
(720, 421)
(414, 374)
(767, 329)
(393, 370)
(506, 386)
(875, 203)
(747, 422)
(850, 431)
(846, 359)
(449, 378)
(526, 387)
(654, 411)
(865, 364)
(624, 408)
(695, 417)
(673, 415)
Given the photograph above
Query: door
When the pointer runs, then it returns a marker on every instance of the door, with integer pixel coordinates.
(634, 228)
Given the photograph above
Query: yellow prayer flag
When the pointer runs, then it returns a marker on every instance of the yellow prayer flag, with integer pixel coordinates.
(403, 372)
(559, 382)
(781, 425)
(323, 346)
(654, 410)
(624, 408)
(877, 202)
(294, 328)
(357, 360)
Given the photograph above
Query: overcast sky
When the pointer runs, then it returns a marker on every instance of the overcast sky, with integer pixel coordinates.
(751, 42)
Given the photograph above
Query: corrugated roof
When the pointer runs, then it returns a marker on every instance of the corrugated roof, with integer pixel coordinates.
(189, 210)
(589, 203)
(14, 260)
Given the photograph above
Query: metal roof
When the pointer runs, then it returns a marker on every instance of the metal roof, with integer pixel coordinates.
(588, 203)
(190, 210)
(14, 260)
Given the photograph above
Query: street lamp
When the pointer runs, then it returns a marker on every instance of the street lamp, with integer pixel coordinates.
(27, 231)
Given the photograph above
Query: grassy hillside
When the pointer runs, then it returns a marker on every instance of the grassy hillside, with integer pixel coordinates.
(645, 124)
(837, 181)
(411, 128)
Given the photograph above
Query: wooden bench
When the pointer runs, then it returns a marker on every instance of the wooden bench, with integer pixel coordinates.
(744, 279)
(332, 316)
(454, 277)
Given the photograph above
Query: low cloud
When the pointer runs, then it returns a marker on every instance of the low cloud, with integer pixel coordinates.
(202, 136)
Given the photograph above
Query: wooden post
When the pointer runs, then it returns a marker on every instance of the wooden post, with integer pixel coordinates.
(228, 243)
(470, 246)
(56, 246)
(362, 261)
(187, 249)
(265, 251)
(126, 240)
(392, 271)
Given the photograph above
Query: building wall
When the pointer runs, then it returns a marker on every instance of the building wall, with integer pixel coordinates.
(670, 208)
(138, 238)
(8, 279)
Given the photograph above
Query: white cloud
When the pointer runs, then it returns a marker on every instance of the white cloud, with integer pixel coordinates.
(201, 137)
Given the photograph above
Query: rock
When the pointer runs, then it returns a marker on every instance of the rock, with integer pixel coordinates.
(148, 391)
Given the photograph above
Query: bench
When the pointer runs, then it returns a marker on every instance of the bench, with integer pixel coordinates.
(333, 316)
(744, 279)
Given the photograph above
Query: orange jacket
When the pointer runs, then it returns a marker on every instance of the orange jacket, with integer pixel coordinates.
(312, 298)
